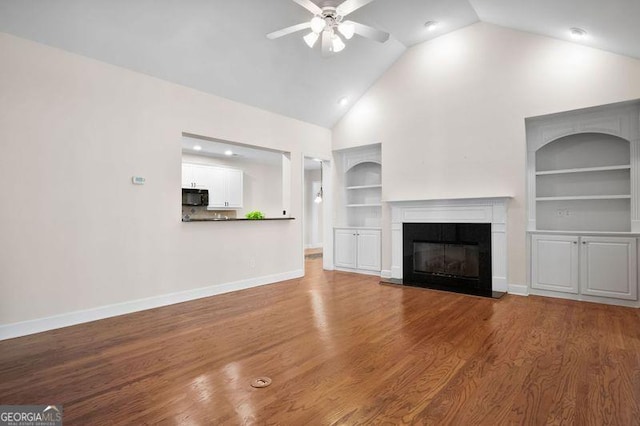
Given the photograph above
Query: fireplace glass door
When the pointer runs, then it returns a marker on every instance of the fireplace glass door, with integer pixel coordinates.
(457, 260)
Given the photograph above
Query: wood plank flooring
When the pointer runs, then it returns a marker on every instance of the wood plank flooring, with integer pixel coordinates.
(341, 349)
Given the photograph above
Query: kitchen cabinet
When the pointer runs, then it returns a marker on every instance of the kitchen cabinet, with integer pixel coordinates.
(585, 265)
(357, 249)
(225, 185)
(225, 191)
(194, 176)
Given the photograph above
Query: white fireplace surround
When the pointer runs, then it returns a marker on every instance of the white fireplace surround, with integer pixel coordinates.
(491, 210)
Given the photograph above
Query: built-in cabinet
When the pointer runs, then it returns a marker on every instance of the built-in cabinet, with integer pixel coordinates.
(555, 264)
(225, 185)
(583, 184)
(608, 267)
(357, 244)
(586, 265)
(357, 249)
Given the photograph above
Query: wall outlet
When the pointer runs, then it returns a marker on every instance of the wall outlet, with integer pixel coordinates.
(138, 180)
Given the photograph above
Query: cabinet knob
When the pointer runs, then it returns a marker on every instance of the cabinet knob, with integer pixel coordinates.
(575, 242)
(584, 242)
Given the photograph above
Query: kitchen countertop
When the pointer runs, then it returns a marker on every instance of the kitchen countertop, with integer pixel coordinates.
(242, 219)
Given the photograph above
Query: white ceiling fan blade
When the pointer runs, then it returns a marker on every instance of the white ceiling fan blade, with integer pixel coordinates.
(310, 6)
(369, 32)
(289, 30)
(326, 43)
(351, 5)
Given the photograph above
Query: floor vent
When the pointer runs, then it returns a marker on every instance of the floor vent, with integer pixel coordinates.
(261, 382)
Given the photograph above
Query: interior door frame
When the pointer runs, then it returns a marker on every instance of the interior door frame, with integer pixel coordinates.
(327, 209)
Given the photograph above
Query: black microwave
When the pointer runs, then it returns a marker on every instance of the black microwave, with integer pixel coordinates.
(195, 197)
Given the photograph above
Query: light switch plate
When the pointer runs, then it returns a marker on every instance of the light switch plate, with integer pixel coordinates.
(138, 180)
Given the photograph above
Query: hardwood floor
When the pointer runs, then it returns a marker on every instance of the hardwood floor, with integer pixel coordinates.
(313, 253)
(340, 349)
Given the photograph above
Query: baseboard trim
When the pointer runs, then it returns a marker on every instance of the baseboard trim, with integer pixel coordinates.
(585, 298)
(18, 329)
(357, 271)
(313, 246)
(518, 289)
(385, 273)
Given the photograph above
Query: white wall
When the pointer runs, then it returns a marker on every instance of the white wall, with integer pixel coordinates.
(262, 183)
(75, 233)
(313, 212)
(450, 115)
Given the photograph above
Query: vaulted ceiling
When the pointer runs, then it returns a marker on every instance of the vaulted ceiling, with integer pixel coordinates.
(219, 46)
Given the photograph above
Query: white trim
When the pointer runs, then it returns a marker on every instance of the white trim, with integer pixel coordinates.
(585, 298)
(313, 246)
(518, 289)
(385, 273)
(357, 271)
(24, 328)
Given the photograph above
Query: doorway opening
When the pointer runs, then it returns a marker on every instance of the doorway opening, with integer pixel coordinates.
(316, 205)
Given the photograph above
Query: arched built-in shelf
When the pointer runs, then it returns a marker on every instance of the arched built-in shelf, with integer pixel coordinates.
(363, 182)
(583, 185)
(357, 230)
(583, 182)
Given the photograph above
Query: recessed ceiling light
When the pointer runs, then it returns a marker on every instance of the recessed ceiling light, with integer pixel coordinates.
(431, 25)
(197, 147)
(343, 101)
(577, 33)
(228, 153)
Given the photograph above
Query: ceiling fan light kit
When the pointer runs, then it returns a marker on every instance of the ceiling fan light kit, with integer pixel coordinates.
(328, 24)
(318, 24)
(311, 38)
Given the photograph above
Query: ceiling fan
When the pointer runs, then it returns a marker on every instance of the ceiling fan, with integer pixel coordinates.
(329, 25)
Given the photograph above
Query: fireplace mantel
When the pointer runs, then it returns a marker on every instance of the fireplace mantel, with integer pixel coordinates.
(491, 210)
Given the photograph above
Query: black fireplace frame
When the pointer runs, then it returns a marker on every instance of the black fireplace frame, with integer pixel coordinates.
(449, 233)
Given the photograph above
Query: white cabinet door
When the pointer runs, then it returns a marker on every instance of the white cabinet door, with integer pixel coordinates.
(217, 187)
(368, 250)
(200, 176)
(345, 248)
(188, 175)
(554, 263)
(234, 188)
(195, 176)
(608, 267)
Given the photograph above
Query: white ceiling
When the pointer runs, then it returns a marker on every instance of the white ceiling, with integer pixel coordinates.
(217, 149)
(612, 25)
(220, 46)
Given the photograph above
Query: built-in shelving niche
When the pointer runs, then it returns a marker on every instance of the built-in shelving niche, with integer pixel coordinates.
(363, 186)
(583, 183)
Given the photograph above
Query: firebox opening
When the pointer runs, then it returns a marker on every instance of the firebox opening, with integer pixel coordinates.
(453, 260)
